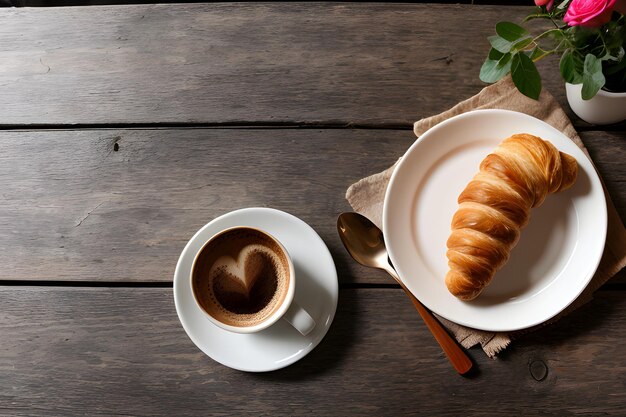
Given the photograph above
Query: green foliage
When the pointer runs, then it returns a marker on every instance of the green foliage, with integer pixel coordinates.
(593, 79)
(594, 57)
(509, 37)
(537, 53)
(569, 68)
(525, 76)
(496, 66)
(510, 31)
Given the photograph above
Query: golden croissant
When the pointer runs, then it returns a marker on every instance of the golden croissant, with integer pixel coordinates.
(496, 204)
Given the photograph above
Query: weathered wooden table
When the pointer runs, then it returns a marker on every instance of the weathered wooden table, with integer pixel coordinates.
(124, 129)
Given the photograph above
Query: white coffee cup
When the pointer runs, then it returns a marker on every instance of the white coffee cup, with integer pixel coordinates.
(231, 250)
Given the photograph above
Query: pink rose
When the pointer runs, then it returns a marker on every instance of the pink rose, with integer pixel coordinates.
(547, 3)
(589, 13)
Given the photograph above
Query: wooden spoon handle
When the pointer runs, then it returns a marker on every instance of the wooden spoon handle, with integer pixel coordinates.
(455, 353)
(461, 362)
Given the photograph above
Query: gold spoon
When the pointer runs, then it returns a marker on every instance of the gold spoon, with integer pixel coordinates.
(365, 243)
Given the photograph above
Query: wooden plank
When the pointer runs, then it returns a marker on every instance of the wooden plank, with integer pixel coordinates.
(47, 3)
(245, 62)
(100, 351)
(73, 208)
(71, 201)
(608, 151)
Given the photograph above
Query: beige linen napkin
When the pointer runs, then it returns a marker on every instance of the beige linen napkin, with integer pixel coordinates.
(367, 195)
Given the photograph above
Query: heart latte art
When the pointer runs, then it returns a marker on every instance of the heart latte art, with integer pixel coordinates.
(246, 285)
(241, 277)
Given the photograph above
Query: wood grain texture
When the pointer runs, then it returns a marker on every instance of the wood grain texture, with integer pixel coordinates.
(73, 208)
(47, 3)
(244, 62)
(99, 351)
(70, 200)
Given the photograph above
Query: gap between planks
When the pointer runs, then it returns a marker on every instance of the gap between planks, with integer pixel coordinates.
(331, 125)
(149, 284)
(610, 286)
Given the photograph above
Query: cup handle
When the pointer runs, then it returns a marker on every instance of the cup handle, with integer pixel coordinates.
(299, 318)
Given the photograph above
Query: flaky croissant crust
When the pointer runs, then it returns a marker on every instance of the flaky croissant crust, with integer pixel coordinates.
(496, 205)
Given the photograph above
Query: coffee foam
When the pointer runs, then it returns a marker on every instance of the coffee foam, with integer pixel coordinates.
(241, 277)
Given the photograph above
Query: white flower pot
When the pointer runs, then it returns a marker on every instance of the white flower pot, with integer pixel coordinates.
(603, 109)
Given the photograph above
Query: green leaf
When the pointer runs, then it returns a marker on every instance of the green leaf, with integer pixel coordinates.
(522, 43)
(510, 31)
(567, 66)
(496, 66)
(608, 57)
(536, 53)
(500, 44)
(593, 79)
(510, 37)
(614, 35)
(525, 76)
(582, 37)
(616, 56)
(562, 5)
(495, 55)
(612, 68)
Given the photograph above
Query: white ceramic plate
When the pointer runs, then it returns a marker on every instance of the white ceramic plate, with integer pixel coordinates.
(280, 345)
(558, 252)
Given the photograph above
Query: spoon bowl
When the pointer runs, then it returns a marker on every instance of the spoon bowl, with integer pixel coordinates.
(363, 240)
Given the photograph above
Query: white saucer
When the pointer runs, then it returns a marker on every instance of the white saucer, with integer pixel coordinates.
(280, 345)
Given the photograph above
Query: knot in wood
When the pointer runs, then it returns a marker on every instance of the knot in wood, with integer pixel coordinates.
(538, 370)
